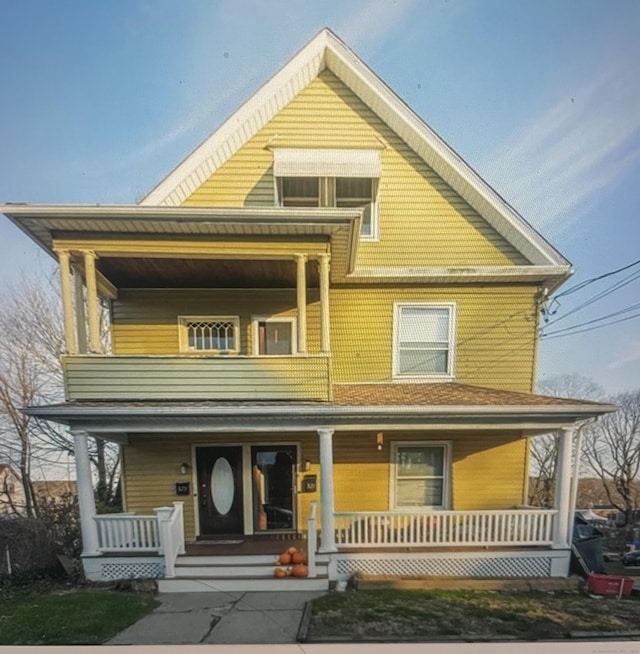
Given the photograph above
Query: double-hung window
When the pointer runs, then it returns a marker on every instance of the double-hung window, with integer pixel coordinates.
(423, 341)
(420, 475)
(209, 334)
(330, 178)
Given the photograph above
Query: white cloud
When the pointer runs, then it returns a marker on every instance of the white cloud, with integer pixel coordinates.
(559, 163)
(631, 355)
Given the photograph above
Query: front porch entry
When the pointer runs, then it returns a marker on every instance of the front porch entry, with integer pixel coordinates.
(245, 490)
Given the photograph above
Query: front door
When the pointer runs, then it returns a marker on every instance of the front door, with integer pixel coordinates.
(220, 498)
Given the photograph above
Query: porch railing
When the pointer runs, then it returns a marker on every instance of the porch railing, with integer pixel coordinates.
(171, 531)
(312, 540)
(442, 528)
(126, 532)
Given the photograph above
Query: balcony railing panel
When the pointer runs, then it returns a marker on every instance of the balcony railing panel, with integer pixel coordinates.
(444, 528)
(109, 377)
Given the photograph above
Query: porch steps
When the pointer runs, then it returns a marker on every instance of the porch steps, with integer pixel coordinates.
(238, 573)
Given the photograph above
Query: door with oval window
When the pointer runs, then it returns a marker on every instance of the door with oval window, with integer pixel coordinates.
(220, 498)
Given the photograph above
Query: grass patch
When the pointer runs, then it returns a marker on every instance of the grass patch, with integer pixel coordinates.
(468, 614)
(70, 617)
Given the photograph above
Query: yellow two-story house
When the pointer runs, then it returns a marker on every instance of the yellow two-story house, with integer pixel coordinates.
(323, 332)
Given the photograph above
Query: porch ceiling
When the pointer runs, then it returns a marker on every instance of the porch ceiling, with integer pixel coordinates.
(355, 407)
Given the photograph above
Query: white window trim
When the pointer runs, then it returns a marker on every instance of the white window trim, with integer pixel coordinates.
(449, 375)
(374, 236)
(446, 490)
(184, 339)
(255, 336)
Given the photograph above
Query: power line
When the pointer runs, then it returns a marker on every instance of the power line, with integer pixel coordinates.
(632, 307)
(588, 329)
(581, 285)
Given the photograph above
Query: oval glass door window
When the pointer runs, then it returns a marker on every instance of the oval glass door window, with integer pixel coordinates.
(222, 486)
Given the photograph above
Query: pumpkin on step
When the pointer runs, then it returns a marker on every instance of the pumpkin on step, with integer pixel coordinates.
(279, 572)
(299, 570)
(285, 559)
(298, 557)
(292, 550)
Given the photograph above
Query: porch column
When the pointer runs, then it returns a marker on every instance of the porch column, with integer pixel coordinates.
(81, 319)
(327, 537)
(67, 303)
(92, 301)
(86, 500)
(301, 292)
(325, 323)
(563, 490)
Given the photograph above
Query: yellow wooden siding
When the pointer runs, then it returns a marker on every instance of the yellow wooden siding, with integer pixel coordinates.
(494, 340)
(487, 469)
(146, 322)
(422, 220)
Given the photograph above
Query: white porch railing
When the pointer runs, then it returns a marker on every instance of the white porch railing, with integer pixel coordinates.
(441, 528)
(312, 540)
(171, 532)
(126, 532)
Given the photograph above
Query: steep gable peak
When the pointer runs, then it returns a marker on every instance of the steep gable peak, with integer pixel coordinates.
(326, 51)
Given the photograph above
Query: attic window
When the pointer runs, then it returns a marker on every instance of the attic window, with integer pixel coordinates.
(213, 334)
(330, 178)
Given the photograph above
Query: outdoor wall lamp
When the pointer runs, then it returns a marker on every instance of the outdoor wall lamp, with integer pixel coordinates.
(380, 440)
(306, 466)
(184, 468)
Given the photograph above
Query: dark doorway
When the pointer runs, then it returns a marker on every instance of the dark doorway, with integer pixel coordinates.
(220, 499)
(273, 468)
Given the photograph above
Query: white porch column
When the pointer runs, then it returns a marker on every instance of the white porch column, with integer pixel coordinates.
(67, 303)
(86, 500)
(563, 490)
(301, 293)
(327, 537)
(325, 322)
(81, 319)
(95, 344)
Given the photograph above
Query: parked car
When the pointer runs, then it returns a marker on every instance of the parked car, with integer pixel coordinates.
(631, 558)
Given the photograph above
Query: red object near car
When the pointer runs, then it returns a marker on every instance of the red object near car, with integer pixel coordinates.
(609, 584)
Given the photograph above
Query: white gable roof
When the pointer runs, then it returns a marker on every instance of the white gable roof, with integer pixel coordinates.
(327, 52)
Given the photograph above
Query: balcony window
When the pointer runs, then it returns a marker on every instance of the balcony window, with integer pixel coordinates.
(274, 336)
(209, 334)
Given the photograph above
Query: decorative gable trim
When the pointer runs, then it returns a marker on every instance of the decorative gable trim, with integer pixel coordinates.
(327, 51)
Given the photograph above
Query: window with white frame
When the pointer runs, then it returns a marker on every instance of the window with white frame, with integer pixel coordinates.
(423, 340)
(347, 192)
(274, 336)
(420, 475)
(326, 177)
(213, 334)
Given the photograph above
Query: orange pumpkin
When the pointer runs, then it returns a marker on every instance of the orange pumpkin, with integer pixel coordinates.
(279, 572)
(285, 559)
(299, 570)
(298, 557)
(292, 550)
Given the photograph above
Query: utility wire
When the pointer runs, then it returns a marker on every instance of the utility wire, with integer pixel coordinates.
(587, 282)
(588, 329)
(632, 307)
(599, 296)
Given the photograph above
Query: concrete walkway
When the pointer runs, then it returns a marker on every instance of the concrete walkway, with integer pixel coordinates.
(220, 617)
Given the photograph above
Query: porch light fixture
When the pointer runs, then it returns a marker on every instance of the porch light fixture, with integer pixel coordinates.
(306, 466)
(184, 468)
(379, 440)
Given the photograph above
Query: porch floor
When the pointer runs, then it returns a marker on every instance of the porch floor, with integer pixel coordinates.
(248, 545)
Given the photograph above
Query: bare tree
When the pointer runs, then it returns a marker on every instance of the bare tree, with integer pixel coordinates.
(612, 450)
(31, 374)
(544, 449)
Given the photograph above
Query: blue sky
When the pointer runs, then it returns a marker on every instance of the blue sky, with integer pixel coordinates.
(100, 100)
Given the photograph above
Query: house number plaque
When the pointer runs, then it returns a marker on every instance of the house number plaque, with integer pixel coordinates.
(309, 484)
(182, 488)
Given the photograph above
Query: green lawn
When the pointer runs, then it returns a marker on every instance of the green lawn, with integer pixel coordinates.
(76, 617)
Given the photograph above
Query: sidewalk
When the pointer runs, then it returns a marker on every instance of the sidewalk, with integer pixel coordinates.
(220, 617)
